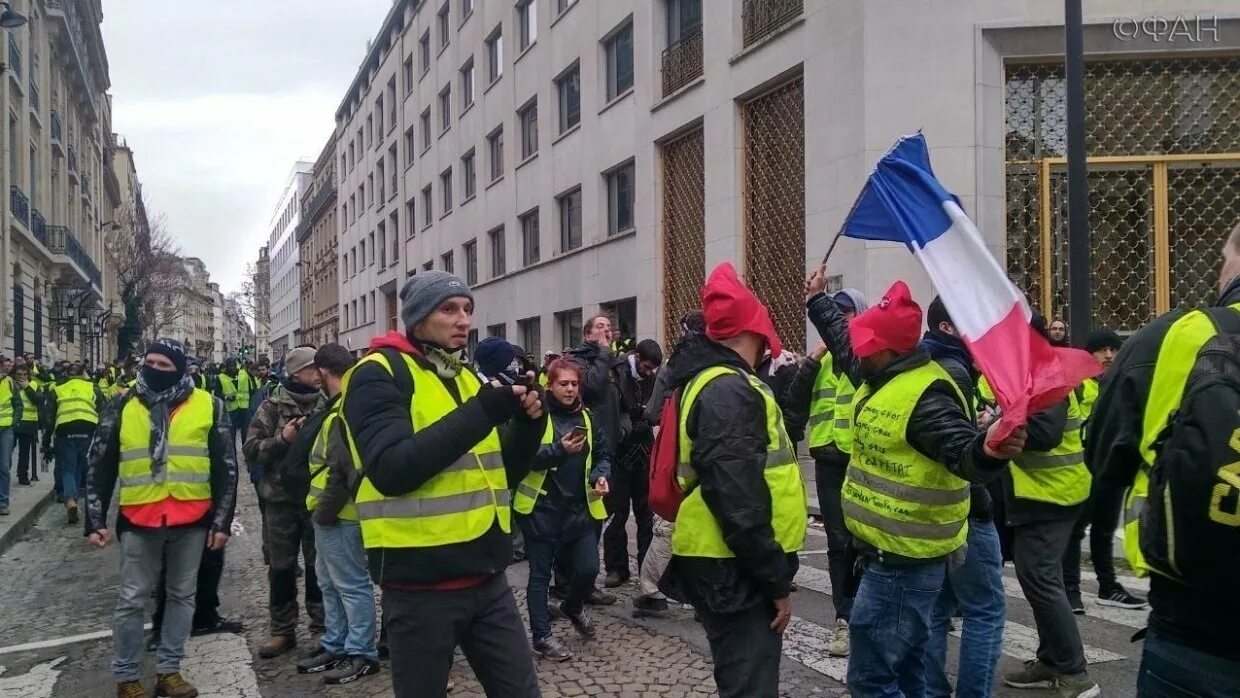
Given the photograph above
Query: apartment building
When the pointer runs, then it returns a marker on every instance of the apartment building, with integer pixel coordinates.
(317, 241)
(238, 336)
(285, 279)
(262, 303)
(57, 142)
(569, 157)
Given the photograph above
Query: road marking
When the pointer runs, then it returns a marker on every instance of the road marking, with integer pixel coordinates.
(806, 642)
(36, 683)
(220, 665)
(44, 644)
(1120, 616)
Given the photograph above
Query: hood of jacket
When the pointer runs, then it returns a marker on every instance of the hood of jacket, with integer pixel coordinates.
(856, 297)
(942, 346)
(286, 398)
(696, 353)
(393, 340)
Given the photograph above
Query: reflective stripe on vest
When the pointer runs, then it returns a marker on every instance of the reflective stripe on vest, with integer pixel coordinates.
(531, 488)
(822, 406)
(318, 464)
(1089, 395)
(75, 401)
(186, 475)
(895, 498)
(697, 533)
(845, 392)
(460, 503)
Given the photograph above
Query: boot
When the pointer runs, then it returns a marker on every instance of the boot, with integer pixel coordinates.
(130, 689)
(174, 686)
(71, 508)
(276, 646)
(615, 579)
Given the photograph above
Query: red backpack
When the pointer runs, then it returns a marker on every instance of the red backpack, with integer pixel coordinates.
(665, 493)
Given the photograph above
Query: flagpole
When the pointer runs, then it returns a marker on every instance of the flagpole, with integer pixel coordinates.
(1080, 318)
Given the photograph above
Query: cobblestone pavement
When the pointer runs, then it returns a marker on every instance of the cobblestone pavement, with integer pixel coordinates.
(58, 593)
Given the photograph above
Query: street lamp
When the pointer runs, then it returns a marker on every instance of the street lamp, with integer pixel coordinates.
(10, 18)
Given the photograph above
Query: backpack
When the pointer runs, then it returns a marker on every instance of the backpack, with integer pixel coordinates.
(1190, 525)
(665, 494)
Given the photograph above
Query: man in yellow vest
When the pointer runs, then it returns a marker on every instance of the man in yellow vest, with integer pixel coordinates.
(743, 519)
(72, 415)
(236, 385)
(169, 445)
(7, 436)
(916, 447)
(1192, 646)
(434, 505)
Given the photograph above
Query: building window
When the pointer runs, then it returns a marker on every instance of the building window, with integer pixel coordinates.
(527, 23)
(469, 177)
(409, 145)
(495, 150)
(424, 51)
(619, 50)
(531, 335)
(498, 254)
(445, 29)
(411, 218)
(495, 54)
(570, 220)
(527, 118)
(382, 244)
(379, 117)
(408, 75)
(500, 330)
(467, 8)
(426, 129)
(445, 188)
(529, 238)
(568, 87)
(445, 260)
(620, 199)
(352, 155)
(391, 103)
(382, 181)
(361, 247)
(684, 19)
(370, 129)
(561, 6)
(471, 262)
(467, 85)
(471, 343)
(392, 169)
(428, 213)
(372, 249)
(445, 108)
(369, 189)
(394, 226)
(569, 323)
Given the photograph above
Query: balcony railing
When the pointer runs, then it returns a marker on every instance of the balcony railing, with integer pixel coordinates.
(38, 226)
(66, 11)
(19, 204)
(62, 241)
(15, 55)
(58, 129)
(682, 61)
(325, 192)
(34, 95)
(759, 18)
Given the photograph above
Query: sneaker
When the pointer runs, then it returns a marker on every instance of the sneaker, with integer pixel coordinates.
(1120, 598)
(1076, 687)
(1034, 675)
(350, 669)
(1074, 600)
(130, 689)
(221, 625)
(4, 511)
(582, 623)
(550, 648)
(648, 606)
(600, 598)
(555, 609)
(174, 686)
(276, 646)
(615, 579)
(838, 645)
(319, 660)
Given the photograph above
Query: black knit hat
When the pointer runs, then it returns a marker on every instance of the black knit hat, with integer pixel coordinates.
(1102, 339)
(171, 348)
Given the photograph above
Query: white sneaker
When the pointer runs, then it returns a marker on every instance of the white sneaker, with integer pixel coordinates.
(838, 646)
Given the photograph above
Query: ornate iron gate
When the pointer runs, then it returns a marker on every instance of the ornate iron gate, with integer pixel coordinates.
(684, 229)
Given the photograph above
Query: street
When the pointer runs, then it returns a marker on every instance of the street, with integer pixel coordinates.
(58, 595)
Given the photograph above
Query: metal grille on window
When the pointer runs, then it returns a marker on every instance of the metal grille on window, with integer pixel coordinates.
(775, 206)
(760, 18)
(1164, 185)
(684, 229)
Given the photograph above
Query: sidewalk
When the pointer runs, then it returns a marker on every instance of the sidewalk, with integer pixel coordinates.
(26, 502)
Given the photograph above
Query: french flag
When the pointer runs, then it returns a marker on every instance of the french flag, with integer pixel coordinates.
(903, 202)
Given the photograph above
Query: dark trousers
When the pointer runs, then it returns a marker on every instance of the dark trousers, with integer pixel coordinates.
(629, 487)
(1101, 515)
(206, 595)
(27, 456)
(1170, 670)
(286, 532)
(745, 650)
(426, 626)
(578, 558)
(1039, 549)
(841, 555)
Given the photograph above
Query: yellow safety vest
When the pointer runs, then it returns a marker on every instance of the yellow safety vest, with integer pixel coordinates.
(6, 401)
(530, 488)
(697, 532)
(894, 497)
(459, 504)
(1089, 395)
(186, 475)
(830, 416)
(319, 468)
(543, 380)
(1057, 476)
(236, 391)
(75, 401)
(30, 409)
(1176, 357)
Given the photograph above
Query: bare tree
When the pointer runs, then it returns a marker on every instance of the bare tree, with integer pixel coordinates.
(149, 274)
(247, 298)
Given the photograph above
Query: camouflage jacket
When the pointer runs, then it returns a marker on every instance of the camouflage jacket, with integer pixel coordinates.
(264, 447)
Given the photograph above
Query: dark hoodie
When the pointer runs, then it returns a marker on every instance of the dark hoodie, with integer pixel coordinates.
(600, 390)
(397, 460)
(561, 514)
(728, 427)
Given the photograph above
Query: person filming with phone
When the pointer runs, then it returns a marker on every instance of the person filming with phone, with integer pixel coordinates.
(558, 505)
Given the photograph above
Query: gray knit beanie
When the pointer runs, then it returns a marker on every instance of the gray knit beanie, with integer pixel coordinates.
(423, 292)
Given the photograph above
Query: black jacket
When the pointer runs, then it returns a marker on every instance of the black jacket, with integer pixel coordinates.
(397, 460)
(940, 427)
(1180, 614)
(728, 427)
(634, 452)
(798, 395)
(561, 514)
(600, 391)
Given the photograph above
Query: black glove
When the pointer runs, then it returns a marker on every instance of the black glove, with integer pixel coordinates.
(500, 403)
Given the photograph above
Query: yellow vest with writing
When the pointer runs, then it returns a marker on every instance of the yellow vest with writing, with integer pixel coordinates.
(459, 504)
(75, 401)
(529, 490)
(697, 533)
(319, 468)
(895, 498)
(187, 472)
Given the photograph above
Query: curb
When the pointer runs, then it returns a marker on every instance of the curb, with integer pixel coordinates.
(24, 522)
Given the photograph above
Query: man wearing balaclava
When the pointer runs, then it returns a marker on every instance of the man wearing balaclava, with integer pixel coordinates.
(170, 448)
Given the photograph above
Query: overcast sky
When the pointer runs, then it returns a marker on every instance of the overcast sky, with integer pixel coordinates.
(219, 99)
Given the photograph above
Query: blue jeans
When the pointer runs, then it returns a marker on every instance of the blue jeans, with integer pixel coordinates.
(71, 463)
(580, 559)
(348, 598)
(6, 463)
(1170, 670)
(976, 590)
(890, 628)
